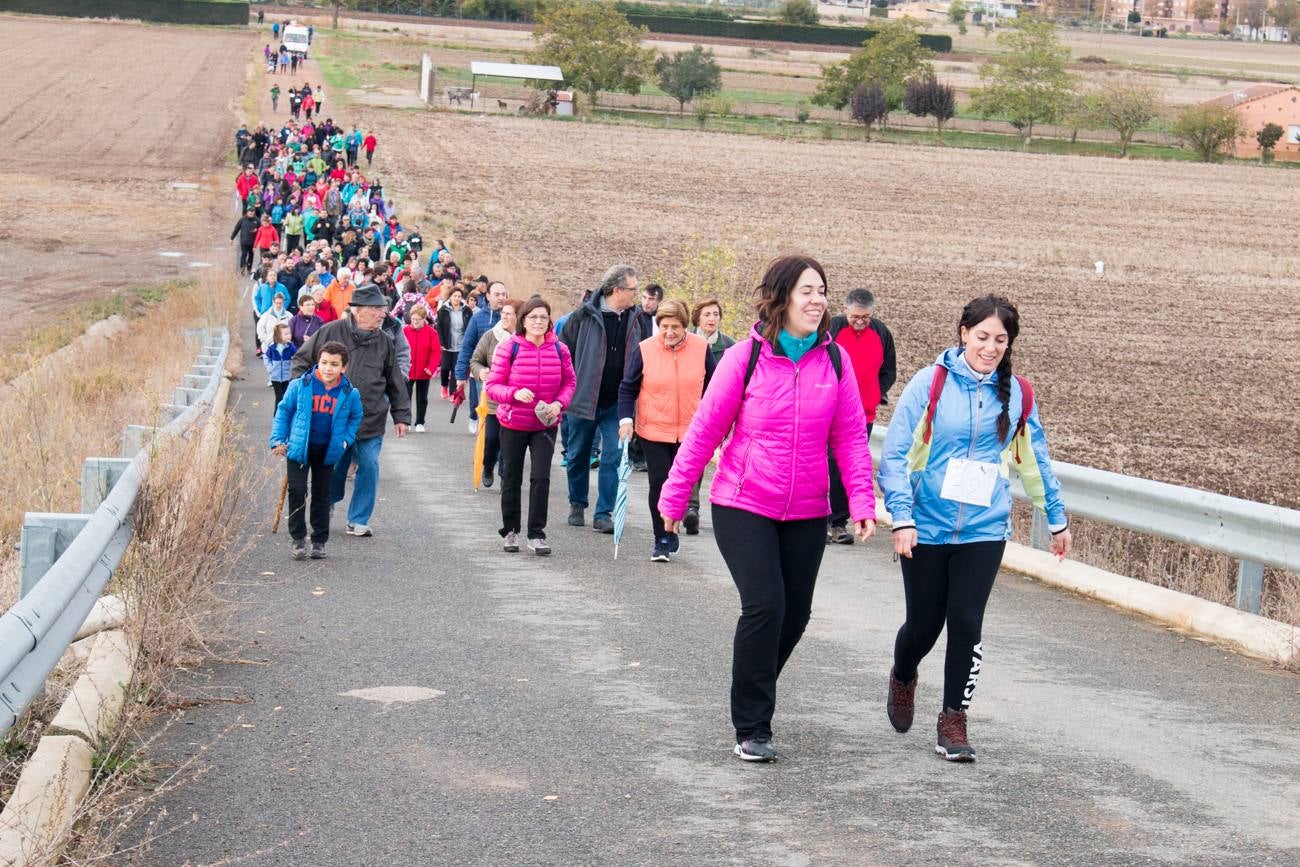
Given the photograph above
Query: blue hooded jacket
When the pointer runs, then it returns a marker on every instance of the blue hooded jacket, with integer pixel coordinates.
(293, 420)
(965, 426)
(481, 323)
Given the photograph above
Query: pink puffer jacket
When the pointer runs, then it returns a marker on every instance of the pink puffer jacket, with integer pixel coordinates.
(546, 370)
(774, 463)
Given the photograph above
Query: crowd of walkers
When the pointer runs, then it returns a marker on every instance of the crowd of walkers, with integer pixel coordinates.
(356, 316)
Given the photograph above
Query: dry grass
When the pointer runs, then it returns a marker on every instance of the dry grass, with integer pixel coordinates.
(53, 420)
(187, 540)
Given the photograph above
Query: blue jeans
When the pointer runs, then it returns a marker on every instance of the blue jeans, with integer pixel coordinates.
(582, 433)
(366, 454)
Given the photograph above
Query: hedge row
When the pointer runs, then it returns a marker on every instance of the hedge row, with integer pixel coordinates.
(775, 31)
(169, 11)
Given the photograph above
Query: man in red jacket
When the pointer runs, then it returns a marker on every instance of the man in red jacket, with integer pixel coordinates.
(870, 347)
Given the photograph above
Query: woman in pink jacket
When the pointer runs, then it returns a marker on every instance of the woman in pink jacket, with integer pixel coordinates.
(783, 395)
(532, 382)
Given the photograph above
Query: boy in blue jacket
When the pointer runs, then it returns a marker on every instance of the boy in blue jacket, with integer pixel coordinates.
(317, 419)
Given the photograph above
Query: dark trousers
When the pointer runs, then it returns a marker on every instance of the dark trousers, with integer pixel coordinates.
(446, 372)
(370, 155)
(320, 474)
(491, 442)
(245, 257)
(540, 446)
(774, 565)
(659, 460)
(839, 496)
(420, 388)
(947, 584)
(279, 388)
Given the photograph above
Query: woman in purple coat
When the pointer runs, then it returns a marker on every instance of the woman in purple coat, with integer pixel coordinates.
(532, 382)
(778, 399)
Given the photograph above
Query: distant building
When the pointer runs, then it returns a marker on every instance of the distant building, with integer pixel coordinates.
(1259, 104)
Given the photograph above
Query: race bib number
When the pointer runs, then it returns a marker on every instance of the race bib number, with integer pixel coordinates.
(969, 482)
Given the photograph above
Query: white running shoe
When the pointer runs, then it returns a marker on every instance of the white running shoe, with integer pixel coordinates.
(473, 426)
(359, 530)
(511, 543)
(419, 428)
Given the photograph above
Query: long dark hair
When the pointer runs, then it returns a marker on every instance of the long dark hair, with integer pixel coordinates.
(779, 281)
(973, 314)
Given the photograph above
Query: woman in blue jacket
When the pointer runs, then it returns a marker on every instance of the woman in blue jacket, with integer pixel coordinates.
(959, 428)
(318, 418)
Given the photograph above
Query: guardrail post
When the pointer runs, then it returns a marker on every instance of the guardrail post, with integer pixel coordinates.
(1250, 585)
(1039, 535)
(44, 538)
(98, 476)
(186, 396)
(135, 437)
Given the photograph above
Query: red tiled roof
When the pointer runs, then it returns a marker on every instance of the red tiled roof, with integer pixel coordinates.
(1249, 93)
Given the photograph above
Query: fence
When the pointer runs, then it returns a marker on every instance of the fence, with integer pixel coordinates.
(1257, 535)
(67, 559)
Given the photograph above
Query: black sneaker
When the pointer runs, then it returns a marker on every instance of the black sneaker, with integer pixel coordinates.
(838, 535)
(318, 550)
(692, 522)
(660, 554)
(901, 702)
(299, 549)
(952, 743)
(602, 525)
(575, 516)
(755, 750)
(674, 543)
(487, 477)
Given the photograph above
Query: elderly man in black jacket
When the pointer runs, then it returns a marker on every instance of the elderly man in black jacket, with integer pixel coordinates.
(599, 335)
(373, 368)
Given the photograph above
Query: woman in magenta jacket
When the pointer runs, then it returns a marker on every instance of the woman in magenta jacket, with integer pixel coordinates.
(532, 382)
(770, 494)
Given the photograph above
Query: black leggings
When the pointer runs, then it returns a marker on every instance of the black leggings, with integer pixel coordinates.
(491, 442)
(420, 387)
(659, 460)
(947, 584)
(448, 368)
(541, 447)
(774, 565)
(278, 388)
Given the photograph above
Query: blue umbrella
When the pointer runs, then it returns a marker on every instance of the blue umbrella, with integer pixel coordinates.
(620, 500)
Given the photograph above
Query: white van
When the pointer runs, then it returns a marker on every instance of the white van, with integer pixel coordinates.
(295, 39)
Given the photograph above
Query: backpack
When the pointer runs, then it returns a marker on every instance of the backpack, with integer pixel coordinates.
(936, 388)
(514, 350)
(756, 349)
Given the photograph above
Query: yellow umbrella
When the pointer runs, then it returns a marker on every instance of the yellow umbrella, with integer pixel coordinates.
(480, 441)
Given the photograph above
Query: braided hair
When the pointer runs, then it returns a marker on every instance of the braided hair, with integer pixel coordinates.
(974, 313)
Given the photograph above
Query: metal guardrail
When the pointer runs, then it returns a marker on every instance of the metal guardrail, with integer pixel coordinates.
(1257, 535)
(68, 559)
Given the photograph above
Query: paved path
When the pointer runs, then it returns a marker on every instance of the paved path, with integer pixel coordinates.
(581, 711)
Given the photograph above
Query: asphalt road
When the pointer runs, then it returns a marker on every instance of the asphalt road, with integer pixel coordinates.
(577, 710)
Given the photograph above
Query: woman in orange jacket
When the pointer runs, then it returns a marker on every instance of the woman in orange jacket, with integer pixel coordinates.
(664, 379)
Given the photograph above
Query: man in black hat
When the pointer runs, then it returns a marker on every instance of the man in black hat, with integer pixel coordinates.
(375, 371)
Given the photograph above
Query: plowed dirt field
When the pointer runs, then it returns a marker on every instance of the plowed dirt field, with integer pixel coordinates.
(1179, 363)
(98, 121)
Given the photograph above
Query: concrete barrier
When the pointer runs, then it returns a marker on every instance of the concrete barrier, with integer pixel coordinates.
(40, 812)
(94, 704)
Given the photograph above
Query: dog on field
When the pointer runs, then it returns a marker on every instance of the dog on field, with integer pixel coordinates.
(502, 105)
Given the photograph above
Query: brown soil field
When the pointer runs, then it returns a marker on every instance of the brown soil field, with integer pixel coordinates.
(95, 143)
(1178, 364)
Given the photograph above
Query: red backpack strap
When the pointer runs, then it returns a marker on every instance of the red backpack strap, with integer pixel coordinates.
(1026, 402)
(936, 388)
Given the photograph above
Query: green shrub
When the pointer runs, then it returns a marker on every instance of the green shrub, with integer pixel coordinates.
(774, 31)
(169, 11)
